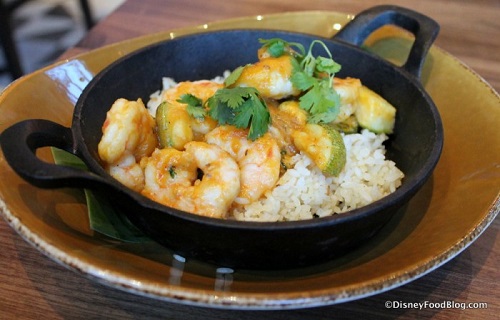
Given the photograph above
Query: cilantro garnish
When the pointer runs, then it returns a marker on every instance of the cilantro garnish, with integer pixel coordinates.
(241, 107)
(276, 47)
(244, 108)
(233, 77)
(194, 105)
(314, 76)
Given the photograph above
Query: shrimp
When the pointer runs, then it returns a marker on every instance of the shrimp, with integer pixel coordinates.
(171, 178)
(348, 90)
(270, 76)
(287, 117)
(128, 136)
(176, 124)
(259, 160)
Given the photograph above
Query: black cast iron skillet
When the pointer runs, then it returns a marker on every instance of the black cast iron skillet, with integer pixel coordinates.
(415, 145)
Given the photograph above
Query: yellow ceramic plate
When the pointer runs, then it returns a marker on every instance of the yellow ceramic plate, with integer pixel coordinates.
(448, 214)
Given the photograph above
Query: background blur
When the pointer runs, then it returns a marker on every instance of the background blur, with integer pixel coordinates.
(44, 29)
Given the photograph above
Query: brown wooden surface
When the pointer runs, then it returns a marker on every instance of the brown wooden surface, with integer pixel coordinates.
(34, 287)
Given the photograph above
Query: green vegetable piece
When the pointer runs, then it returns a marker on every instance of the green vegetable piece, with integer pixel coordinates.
(324, 145)
(162, 125)
(173, 126)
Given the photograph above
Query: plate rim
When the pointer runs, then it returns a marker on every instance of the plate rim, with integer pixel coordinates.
(242, 300)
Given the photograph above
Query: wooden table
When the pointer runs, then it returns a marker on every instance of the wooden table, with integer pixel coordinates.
(34, 287)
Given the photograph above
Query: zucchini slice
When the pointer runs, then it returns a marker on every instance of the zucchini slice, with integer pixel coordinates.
(324, 145)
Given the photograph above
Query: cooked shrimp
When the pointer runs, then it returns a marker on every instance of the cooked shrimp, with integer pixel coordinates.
(172, 179)
(270, 76)
(177, 125)
(348, 90)
(166, 172)
(128, 136)
(287, 117)
(202, 89)
(259, 160)
(128, 172)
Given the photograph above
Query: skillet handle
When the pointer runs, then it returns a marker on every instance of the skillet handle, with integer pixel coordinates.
(19, 143)
(422, 27)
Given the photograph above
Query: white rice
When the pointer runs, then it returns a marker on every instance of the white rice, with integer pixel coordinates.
(304, 192)
(156, 97)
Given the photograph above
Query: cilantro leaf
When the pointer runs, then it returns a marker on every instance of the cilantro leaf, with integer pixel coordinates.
(234, 76)
(322, 102)
(324, 117)
(327, 65)
(312, 101)
(314, 76)
(219, 110)
(302, 81)
(260, 120)
(190, 99)
(277, 47)
(241, 107)
(194, 105)
(234, 97)
(244, 115)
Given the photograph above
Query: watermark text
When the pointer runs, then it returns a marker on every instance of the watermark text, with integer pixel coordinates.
(447, 304)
